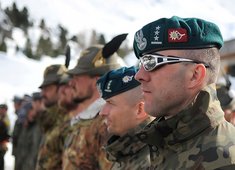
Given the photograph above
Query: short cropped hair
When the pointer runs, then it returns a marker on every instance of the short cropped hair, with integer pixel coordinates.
(209, 56)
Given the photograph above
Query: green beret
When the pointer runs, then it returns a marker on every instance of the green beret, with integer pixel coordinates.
(52, 74)
(117, 81)
(176, 33)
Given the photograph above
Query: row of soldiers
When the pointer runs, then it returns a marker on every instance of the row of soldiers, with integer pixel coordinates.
(162, 115)
(68, 126)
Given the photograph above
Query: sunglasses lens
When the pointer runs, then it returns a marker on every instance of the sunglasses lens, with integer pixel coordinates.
(149, 62)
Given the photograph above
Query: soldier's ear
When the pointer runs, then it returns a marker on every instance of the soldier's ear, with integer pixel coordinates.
(141, 112)
(198, 76)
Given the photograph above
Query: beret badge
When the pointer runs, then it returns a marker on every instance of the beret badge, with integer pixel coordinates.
(140, 40)
(127, 79)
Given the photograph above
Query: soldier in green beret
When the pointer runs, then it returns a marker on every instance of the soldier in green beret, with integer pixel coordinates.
(50, 150)
(124, 114)
(180, 63)
(83, 146)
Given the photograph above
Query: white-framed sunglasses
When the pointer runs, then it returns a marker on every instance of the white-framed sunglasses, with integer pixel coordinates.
(152, 61)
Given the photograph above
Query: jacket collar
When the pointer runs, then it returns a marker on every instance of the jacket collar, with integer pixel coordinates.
(119, 148)
(89, 113)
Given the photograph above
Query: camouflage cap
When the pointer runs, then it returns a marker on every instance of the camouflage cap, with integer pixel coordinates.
(176, 33)
(99, 59)
(117, 81)
(52, 74)
(36, 96)
(3, 106)
(17, 99)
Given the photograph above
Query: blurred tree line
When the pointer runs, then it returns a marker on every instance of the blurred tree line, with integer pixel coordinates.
(45, 44)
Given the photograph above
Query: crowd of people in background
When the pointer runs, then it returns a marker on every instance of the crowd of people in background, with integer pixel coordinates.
(104, 115)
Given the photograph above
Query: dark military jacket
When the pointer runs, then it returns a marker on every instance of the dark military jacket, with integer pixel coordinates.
(50, 150)
(196, 138)
(28, 145)
(83, 147)
(128, 152)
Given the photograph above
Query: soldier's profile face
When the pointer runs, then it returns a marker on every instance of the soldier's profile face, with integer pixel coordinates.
(65, 98)
(83, 87)
(49, 95)
(164, 88)
(119, 115)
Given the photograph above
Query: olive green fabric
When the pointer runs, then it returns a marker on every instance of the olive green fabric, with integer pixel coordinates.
(52, 74)
(127, 152)
(91, 62)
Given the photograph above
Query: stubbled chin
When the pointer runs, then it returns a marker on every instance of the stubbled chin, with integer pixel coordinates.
(147, 96)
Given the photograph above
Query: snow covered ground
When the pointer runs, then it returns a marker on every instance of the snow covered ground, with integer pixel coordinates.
(9, 159)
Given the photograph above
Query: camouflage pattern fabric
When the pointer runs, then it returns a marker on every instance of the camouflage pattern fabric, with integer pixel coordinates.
(51, 147)
(83, 147)
(50, 118)
(196, 138)
(128, 152)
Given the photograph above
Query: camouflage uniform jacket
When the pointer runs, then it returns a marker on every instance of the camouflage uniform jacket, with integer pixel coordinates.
(83, 147)
(128, 152)
(50, 150)
(196, 138)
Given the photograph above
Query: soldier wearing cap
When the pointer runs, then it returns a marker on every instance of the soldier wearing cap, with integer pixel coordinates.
(180, 63)
(50, 150)
(32, 133)
(124, 114)
(28, 141)
(83, 147)
(18, 126)
(4, 116)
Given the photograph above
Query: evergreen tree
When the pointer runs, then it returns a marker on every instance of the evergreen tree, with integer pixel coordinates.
(28, 50)
(3, 46)
(101, 39)
(24, 16)
(44, 47)
(42, 24)
(18, 18)
(62, 38)
(15, 15)
(93, 39)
